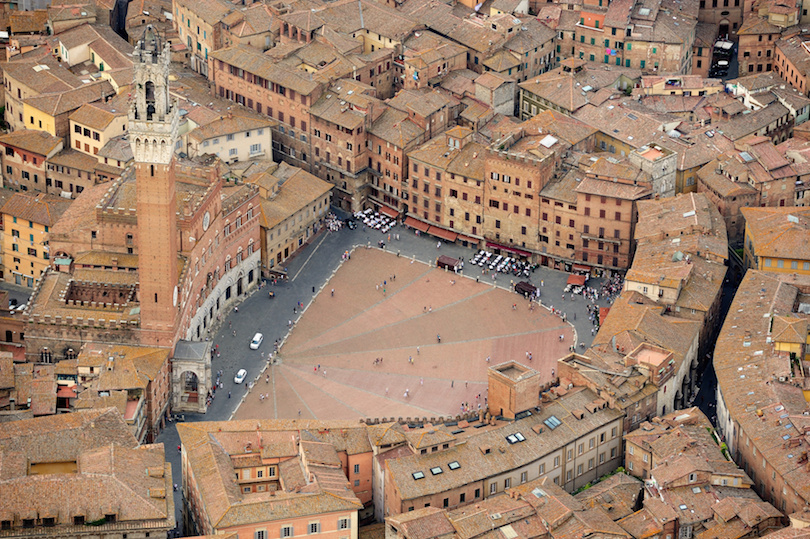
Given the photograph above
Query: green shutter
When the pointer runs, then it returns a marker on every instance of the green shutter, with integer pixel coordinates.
(642, 64)
(627, 63)
(629, 46)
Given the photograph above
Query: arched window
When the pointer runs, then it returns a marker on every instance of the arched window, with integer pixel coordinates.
(150, 99)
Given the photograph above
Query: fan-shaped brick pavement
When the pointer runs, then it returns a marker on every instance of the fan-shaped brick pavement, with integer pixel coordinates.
(393, 308)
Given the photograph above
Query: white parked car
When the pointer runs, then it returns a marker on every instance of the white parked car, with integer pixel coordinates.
(240, 376)
(257, 341)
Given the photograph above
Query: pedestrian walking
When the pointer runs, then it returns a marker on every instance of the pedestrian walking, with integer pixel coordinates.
(333, 292)
(229, 394)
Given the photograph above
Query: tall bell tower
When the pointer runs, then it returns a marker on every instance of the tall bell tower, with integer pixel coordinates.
(153, 121)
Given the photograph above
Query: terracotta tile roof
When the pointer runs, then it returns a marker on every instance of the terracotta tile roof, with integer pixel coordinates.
(423, 523)
(748, 368)
(113, 476)
(28, 22)
(469, 162)
(255, 62)
(538, 508)
(36, 207)
(631, 323)
(6, 371)
(69, 12)
(396, 127)
(757, 25)
(563, 188)
(564, 87)
(459, 83)
(101, 259)
(65, 102)
(117, 148)
(695, 148)
(722, 185)
(790, 330)
(423, 102)
(112, 50)
(560, 125)
(475, 465)
(427, 437)
(501, 61)
(385, 434)
(532, 34)
(211, 11)
(79, 35)
(757, 82)
(74, 159)
(77, 433)
(319, 453)
(618, 495)
(430, 47)
(90, 399)
(348, 16)
(779, 232)
(347, 104)
(743, 125)
(132, 367)
(690, 213)
(790, 532)
(38, 142)
(296, 190)
(435, 153)
(615, 190)
(212, 466)
(642, 524)
(697, 280)
(228, 125)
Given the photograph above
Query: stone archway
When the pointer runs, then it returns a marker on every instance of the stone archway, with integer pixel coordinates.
(191, 376)
(189, 387)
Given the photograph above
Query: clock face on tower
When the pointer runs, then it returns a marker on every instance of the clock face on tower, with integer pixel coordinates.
(206, 220)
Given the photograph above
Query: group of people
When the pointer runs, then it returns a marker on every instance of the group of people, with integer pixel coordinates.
(333, 223)
(217, 385)
(613, 287)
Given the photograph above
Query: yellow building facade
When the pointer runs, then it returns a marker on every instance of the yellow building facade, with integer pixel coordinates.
(28, 218)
